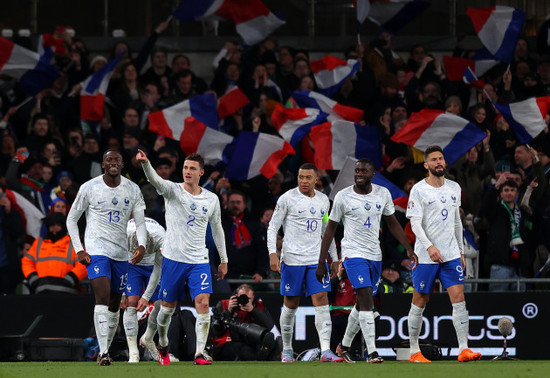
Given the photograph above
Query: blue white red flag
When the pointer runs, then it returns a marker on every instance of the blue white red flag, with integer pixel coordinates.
(171, 121)
(335, 141)
(256, 153)
(212, 145)
(254, 21)
(294, 124)
(455, 135)
(392, 15)
(335, 111)
(362, 7)
(526, 117)
(461, 69)
(399, 197)
(191, 10)
(92, 94)
(231, 102)
(498, 28)
(331, 72)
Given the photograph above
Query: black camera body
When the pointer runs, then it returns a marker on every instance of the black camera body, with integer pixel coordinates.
(243, 300)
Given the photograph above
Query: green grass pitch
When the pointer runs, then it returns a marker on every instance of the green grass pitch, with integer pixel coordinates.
(439, 369)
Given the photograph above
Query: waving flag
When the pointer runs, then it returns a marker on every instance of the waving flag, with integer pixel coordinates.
(34, 72)
(231, 102)
(399, 197)
(498, 28)
(455, 135)
(254, 20)
(335, 111)
(30, 215)
(92, 94)
(256, 153)
(526, 117)
(334, 141)
(171, 121)
(331, 72)
(484, 61)
(392, 15)
(362, 7)
(47, 40)
(191, 10)
(212, 145)
(461, 69)
(294, 124)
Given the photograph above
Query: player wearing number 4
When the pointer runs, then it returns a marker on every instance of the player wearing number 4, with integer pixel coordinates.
(109, 201)
(361, 207)
(433, 209)
(189, 209)
(302, 213)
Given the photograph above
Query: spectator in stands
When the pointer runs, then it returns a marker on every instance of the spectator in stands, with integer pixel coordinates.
(30, 185)
(88, 164)
(12, 234)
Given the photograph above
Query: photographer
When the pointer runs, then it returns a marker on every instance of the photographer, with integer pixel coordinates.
(241, 328)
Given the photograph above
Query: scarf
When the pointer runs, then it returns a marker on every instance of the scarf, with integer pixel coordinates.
(515, 237)
(32, 184)
(239, 232)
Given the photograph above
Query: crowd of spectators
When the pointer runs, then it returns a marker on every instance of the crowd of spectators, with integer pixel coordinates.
(48, 151)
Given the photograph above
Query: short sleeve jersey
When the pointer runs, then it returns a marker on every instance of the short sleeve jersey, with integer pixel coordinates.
(302, 220)
(361, 215)
(437, 209)
(108, 211)
(155, 238)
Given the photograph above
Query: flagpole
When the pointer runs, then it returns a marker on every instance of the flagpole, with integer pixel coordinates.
(24, 102)
(358, 38)
(169, 18)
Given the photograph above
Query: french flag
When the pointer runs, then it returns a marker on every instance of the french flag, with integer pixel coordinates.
(256, 153)
(498, 28)
(211, 144)
(399, 197)
(47, 40)
(231, 102)
(335, 111)
(461, 69)
(392, 15)
(254, 21)
(363, 7)
(331, 72)
(334, 141)
(192, 10)
(294, 124)
(92, 94)
(171, 121)
(34, 72)
(455, 135)
(527, 118)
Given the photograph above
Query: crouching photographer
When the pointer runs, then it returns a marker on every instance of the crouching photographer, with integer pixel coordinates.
(241, 329)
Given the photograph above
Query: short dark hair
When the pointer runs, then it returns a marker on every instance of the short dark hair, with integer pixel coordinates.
(309, 166)
(197, 158)
(237, 192)
(109, 151)
(38, 116)
(430, 150)
(510, 184)
(366, 161)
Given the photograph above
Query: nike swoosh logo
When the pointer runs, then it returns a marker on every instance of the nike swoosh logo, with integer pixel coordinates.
(429, 203)
(103, 322)
(100, 202)
(300, 212)
(325, 286)
(204, 287)
(464, 322)
(355, 208)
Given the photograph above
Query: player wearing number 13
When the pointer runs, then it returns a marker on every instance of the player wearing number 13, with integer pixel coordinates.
(433, 209)
(109, 201)
(189, 209)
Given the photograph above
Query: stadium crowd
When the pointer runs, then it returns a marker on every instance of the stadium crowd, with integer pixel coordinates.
(48, 151)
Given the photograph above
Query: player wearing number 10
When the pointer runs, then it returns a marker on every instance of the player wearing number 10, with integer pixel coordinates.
(109, 201)
(302, 212)
(189, 209)
(433, 209)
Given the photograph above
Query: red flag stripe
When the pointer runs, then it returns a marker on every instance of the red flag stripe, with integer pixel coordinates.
(417, 124)
(321, 136)
(158, 124)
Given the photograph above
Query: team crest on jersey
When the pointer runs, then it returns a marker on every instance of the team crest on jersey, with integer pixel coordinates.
(312, 210)
(126, 201)
(422, 284)
(204, 210)
(453, 197)
(114, 201)
(367, 206)
(361, 279)
(193, 206)
(443, 199)
(164, 293)
(410, 205)
(378, 206)
(323, 212)
(287, 287)
(96, 269)
(129, 288)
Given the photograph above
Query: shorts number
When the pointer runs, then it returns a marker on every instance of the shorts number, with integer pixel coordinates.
(444, 214)
(311, 225)
(191, 220)
(123, 281)
(114, 216)
(367, 222)
(204, 277)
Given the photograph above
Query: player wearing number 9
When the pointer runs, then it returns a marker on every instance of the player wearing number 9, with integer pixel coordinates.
(109, 202)
(433, 209)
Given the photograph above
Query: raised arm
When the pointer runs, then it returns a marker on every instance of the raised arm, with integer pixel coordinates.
(162, 186)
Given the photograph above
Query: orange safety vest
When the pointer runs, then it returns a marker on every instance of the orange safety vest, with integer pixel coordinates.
(50, 259)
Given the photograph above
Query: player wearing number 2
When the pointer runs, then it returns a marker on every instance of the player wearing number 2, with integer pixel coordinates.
(361, 207)
(433, 209)
(302, 212)
(189, 209)
(109, 201)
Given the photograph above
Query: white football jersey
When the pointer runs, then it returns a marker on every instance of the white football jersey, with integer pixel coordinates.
(155, 238)
(302, 220)
(437, 207)
(361, 215)
(107, 213)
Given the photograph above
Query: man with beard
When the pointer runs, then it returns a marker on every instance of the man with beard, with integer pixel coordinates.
(109, 202)
(360, 207)
(433, 209)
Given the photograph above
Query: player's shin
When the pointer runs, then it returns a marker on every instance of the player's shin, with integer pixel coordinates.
(202, 326)
(113, 319)
(352, 328)
(130, 322)
(324, 326)
(163, 323)
(287, 326)
(461, 323)
(366, 320)
(101, 320)
(152, 322)
(415, 326)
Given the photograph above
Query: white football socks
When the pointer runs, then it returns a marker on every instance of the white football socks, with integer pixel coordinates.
(323, 323)
(113, 319)
(352, 328)
(163, 322)
(129, 319)
(101, 323)
(287, 326)
(202, 326)
(461, 321)
(366, 320)
(415, 326)
(152, 322)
